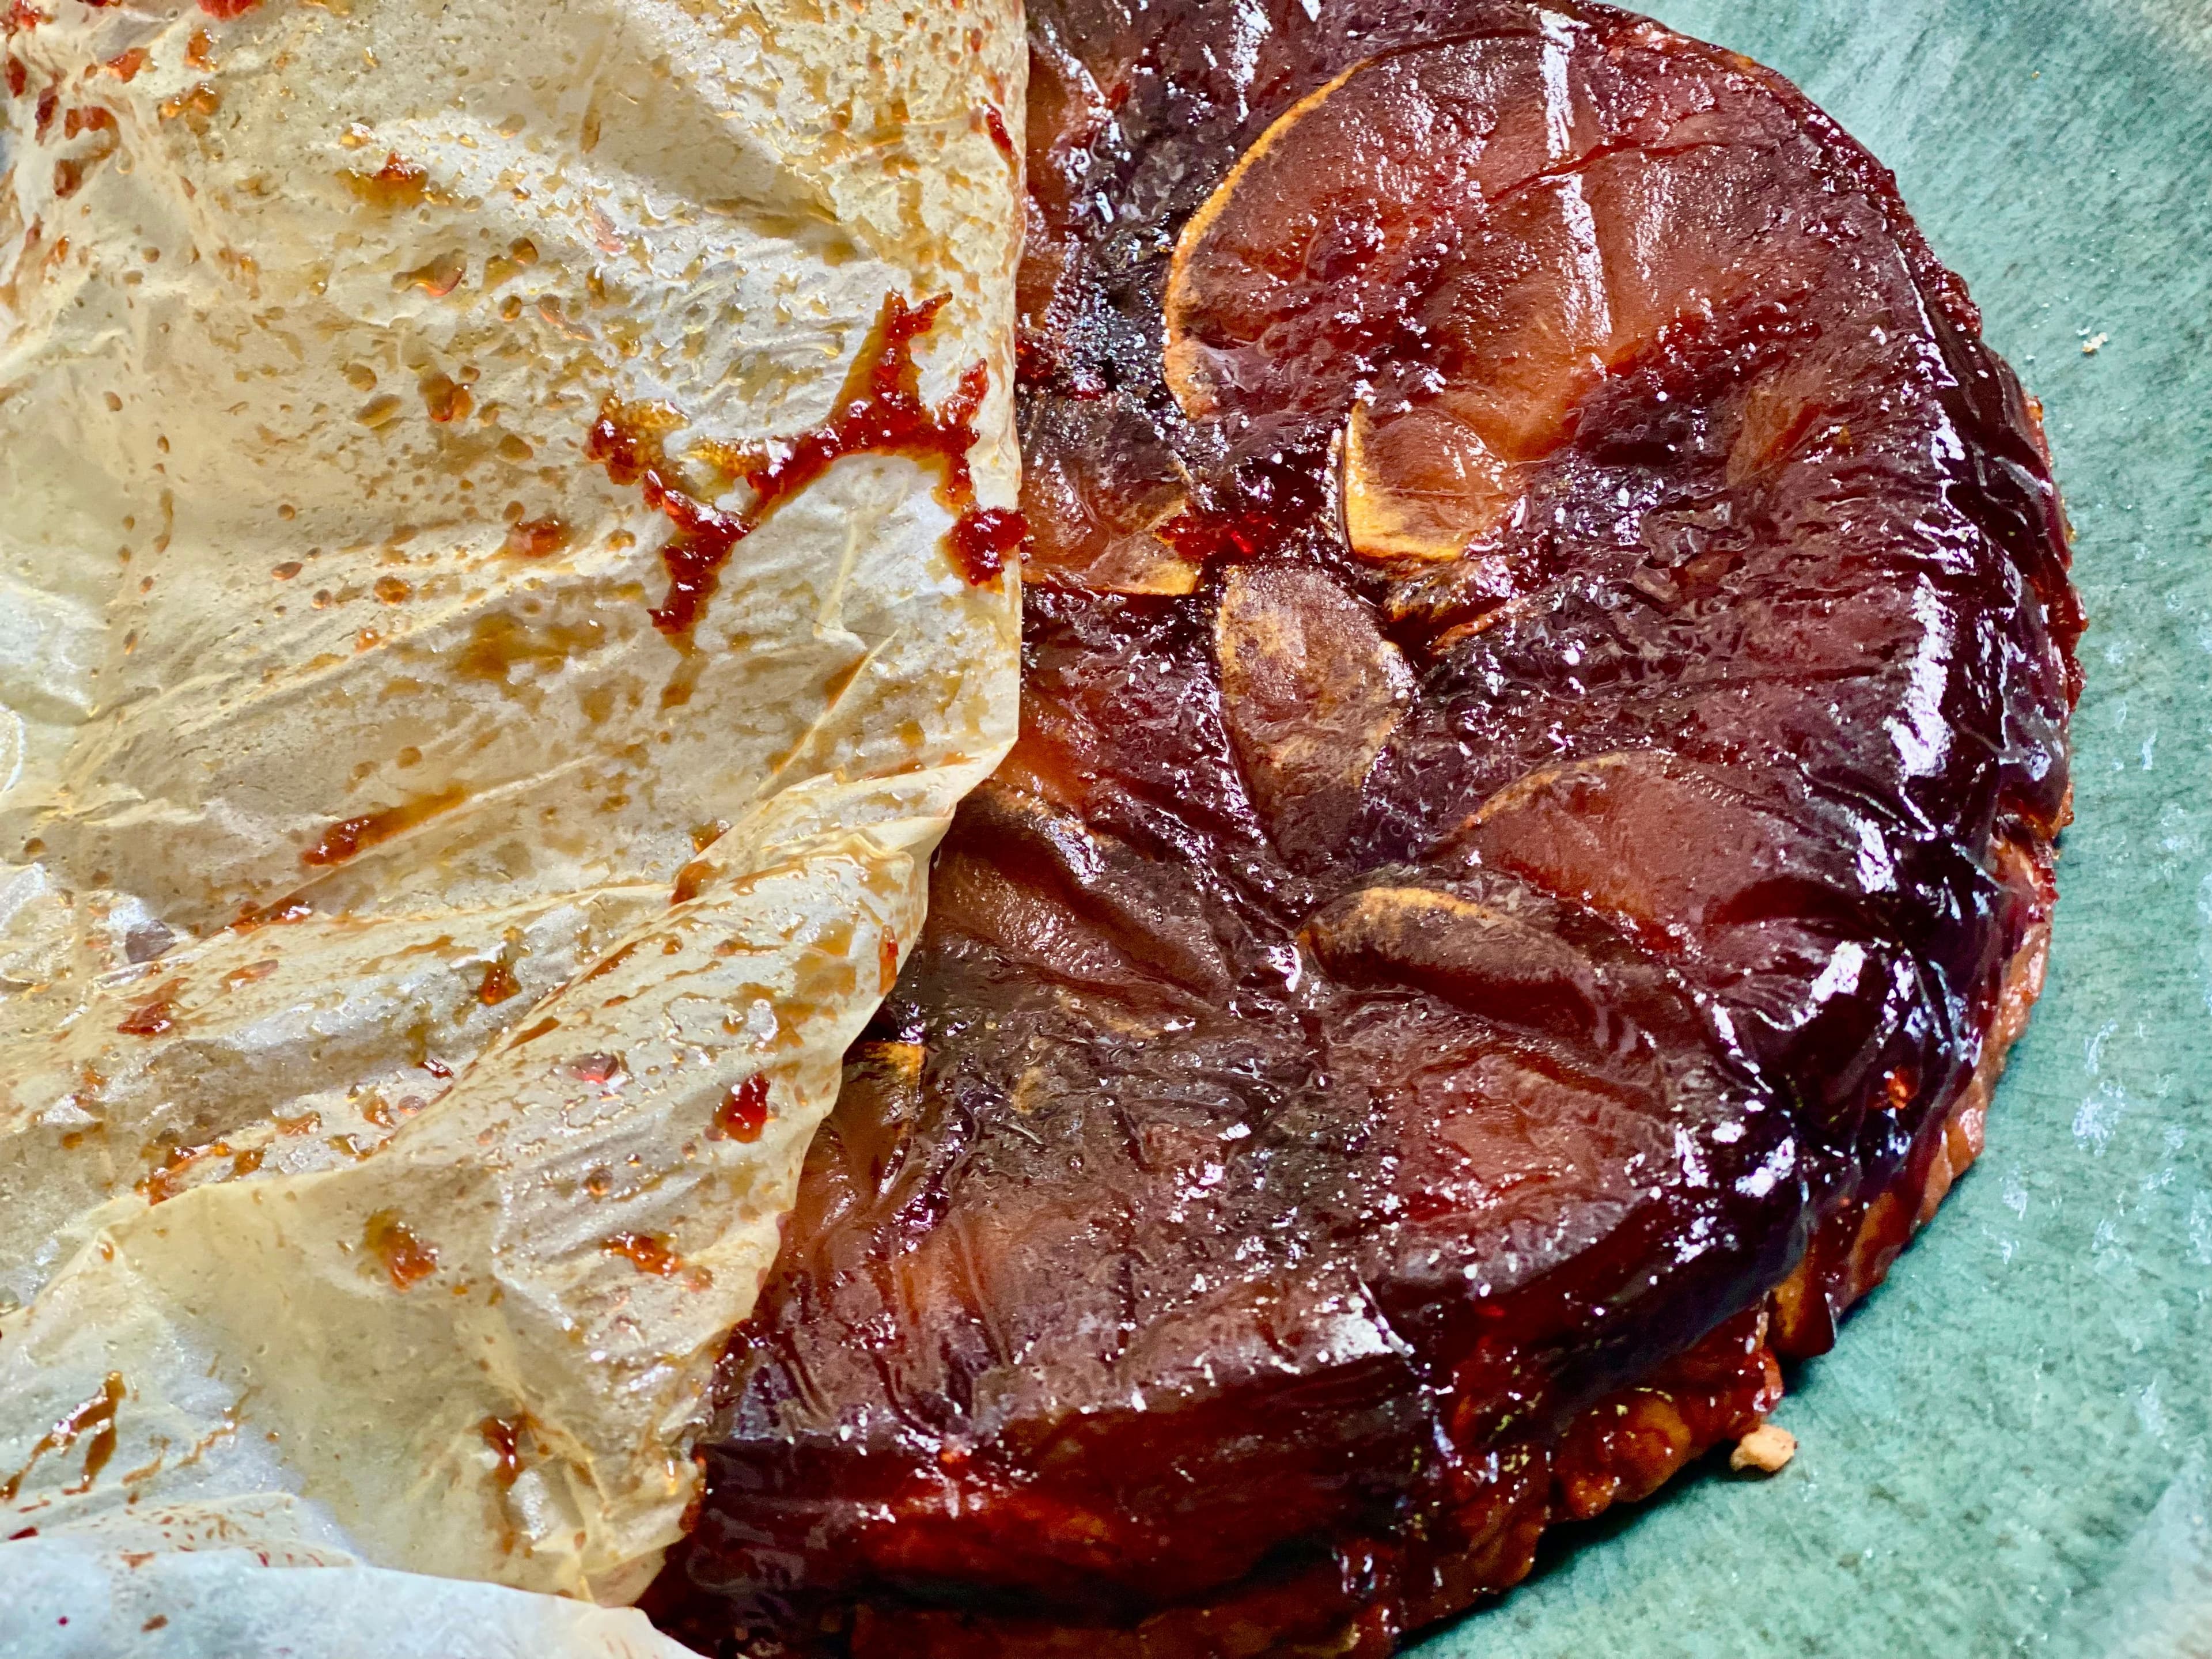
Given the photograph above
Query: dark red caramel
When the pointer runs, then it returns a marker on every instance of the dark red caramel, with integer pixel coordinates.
(1547, 659)
(878, 410)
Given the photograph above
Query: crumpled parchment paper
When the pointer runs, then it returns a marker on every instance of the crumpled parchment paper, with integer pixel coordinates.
(68, 1597)
(392, 917)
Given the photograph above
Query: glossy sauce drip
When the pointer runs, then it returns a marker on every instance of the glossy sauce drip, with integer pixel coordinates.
(275, 914)
(350, 837)
(879, 411)
(504, 1435)
(96, 1417)
(167, 1182)
(982, 538)
(405, 1259)
(536, 538)
(743, 1111)
(497, 985)
(648, 1253)
(689, 880)
(103, 1434)
(153, 1017)
(398, 183)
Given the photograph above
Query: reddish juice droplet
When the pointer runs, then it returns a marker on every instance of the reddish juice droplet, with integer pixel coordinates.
(153, 1017)
(981, 539)
(744, 1112)
(995, 124)
(504, 1435)
(406, 1260)
(647, 1252)
(689, 880)
(595, 1069)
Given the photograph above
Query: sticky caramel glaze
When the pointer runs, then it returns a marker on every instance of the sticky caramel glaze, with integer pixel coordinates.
(878, 410)
(1414, 1030)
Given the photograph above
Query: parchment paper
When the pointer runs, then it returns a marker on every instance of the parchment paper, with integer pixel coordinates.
(399, 1224)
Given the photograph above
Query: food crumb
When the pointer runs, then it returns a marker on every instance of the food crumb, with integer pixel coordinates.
(1766, 1449)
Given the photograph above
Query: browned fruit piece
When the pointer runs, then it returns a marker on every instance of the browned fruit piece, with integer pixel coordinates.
(1311, 691)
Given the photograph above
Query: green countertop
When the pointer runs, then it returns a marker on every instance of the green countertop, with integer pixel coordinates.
(2008, 1452)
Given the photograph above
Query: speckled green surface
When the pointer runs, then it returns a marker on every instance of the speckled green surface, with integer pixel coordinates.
(2008, 1452)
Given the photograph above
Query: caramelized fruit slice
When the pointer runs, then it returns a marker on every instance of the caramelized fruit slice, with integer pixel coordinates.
(1100, 491)
(1460, 242)
(1420, 485)
(1469, 952)
(1667, 847)
(1311, 691)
